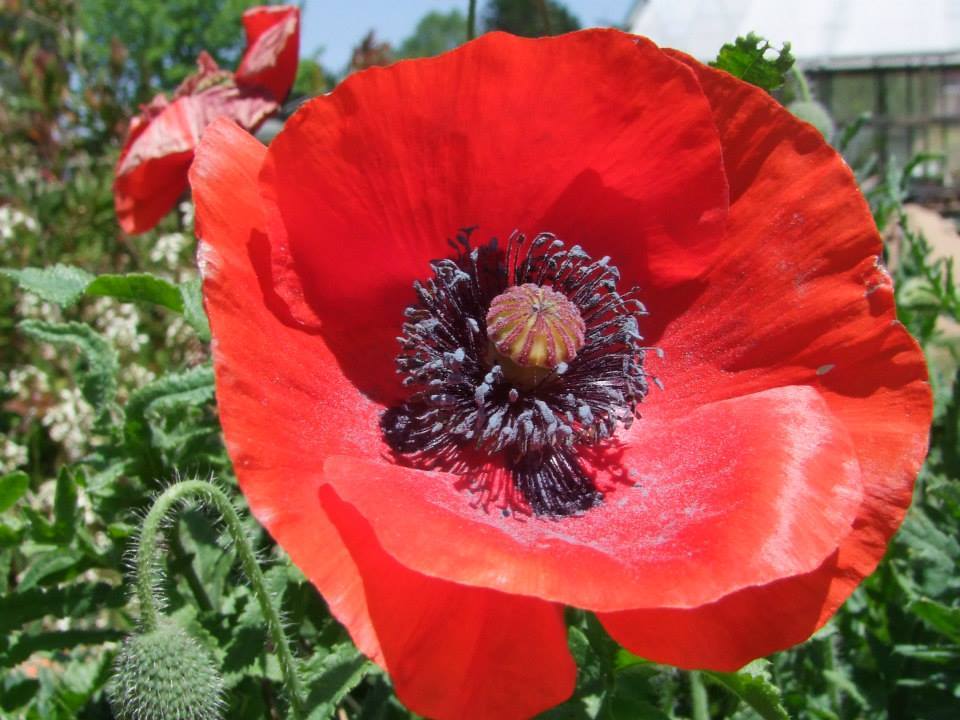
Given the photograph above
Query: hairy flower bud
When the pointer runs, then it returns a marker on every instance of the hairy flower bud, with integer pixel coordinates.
(165, 674)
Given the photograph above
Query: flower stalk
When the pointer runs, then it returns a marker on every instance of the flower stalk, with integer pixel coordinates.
(148, 570)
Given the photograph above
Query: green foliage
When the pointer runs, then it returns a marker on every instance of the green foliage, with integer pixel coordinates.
(116, 318)
(436, 33)
(756, 61)
(754, 685)
(98, 367)
(156, 42)
(529, 18)
(60, 284)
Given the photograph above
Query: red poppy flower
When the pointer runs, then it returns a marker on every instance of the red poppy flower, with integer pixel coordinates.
(520, 460)
(152, 170)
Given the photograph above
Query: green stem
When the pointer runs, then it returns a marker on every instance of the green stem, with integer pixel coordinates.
(802, 84)
(471, 19)
(148, 569)
(698, 697)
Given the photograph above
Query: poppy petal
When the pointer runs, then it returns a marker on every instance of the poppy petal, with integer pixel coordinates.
(833, 325)
(454, 651)
(366, 184)
(729, 633)
(740, 492)
(269, 378)
(273, 45)
(816, 308)
(152, 170)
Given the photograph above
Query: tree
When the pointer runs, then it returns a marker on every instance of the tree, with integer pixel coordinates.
(436, 33)
(530, 18)
(162, 38)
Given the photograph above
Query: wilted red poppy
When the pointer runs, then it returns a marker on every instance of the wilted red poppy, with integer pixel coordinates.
(152, 170)
(447, 513)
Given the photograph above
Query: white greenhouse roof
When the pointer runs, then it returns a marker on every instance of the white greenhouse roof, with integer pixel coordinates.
(852, 33)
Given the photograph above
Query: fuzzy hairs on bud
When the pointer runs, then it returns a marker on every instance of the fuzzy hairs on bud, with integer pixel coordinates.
(165, 674)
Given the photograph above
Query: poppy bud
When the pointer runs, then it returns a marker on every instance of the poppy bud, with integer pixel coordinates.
(165, 673)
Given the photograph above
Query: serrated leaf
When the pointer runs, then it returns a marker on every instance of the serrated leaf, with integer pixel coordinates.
(942, 618)
(12, 488)
(754, 685)
(192, 387)
(29, 643)
(98, 373)
(60, 284)
(748, 58)
(328, 679)
(46, 565)
(71, 601)
(138, 287)
(191, 293)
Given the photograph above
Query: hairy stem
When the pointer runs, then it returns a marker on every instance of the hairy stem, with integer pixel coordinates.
(148, 570)
(802, 84)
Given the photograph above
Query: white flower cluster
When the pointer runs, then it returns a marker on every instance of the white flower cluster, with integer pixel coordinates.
(119, 322)
(12, 455)
(70, 421)
(27, 381)
(166, 250)
(11, 219)
(186, 212)
(31, 306)
(134, 376)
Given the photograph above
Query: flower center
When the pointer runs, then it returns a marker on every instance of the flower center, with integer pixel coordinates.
(523, 356)
(532, 330)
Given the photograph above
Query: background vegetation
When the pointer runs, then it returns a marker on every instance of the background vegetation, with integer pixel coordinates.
(106, 398)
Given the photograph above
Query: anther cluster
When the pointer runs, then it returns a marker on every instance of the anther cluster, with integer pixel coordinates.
(466, 399)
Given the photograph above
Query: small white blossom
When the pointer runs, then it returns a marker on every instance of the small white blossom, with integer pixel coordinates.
(134, 376)
(70, 421)
(186, 211)
(166, 250)
(11, 218)
(119, 322)
(12, 455)
(31, 306)
(26, 381)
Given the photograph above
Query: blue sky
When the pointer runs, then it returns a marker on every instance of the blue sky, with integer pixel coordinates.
(338, 25)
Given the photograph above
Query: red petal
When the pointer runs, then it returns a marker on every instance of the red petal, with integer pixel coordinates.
(815, 307)
(739, 492)
(282, 402)
(577, 135)
(731, 632)
(454, 651)
(152, 170)
(273, 44)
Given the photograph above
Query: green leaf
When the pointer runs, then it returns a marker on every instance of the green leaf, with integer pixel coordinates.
(29, 643)
(46, 565)
(60, 284)
(192, 294)
(330, 677)
(98, 373)
(65, 505)
(12, 488)
(748, 59)
(192, 387)
(942, 618)
(138, 287)
(71, 601)
(753, 685)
